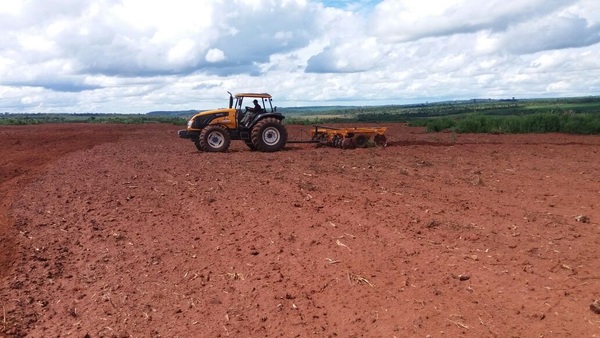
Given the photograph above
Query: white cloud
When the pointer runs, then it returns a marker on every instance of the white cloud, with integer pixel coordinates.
(412, 20)
(37, 44)
(558, 33)
(11, 7)
(346, 57)
(137, 56)
(182, 52)
(215, 55)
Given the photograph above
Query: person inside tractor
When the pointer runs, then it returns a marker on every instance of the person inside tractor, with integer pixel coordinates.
(251, 111)
(257, 108)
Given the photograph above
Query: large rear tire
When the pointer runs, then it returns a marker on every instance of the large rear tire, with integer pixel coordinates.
(214, 139)
(269, 135)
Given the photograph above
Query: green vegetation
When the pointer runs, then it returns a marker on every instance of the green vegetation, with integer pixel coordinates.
(564, 115)
(23, 119)
(534, 123)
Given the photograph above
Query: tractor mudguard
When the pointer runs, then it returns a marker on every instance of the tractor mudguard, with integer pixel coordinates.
(263, 116)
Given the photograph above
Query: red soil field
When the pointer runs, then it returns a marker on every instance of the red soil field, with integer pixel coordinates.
(128, 231)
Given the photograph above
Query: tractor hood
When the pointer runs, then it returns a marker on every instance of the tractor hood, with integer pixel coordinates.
(211, 112)
(202, 119)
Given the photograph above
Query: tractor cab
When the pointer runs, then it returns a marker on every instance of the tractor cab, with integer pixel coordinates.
(244, 105)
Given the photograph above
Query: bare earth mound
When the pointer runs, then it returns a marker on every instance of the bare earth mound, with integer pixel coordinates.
(128, 231)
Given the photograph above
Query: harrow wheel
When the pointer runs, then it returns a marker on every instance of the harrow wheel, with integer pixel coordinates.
(380, 140)
(360, 141)
(347, 144)
(337, 142)
(318, 136)
(322, 141)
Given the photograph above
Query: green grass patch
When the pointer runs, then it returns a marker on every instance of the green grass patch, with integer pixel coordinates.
(26, 119)
(517, 124)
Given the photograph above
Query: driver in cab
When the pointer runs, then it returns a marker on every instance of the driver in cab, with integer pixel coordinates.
(256, 109)
(251, 111)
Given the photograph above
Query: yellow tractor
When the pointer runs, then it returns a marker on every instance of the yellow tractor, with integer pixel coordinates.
(259, 126)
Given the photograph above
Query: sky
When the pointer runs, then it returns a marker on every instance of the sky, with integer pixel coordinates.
(136, 56)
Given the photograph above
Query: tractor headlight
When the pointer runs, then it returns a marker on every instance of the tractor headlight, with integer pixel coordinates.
(189, 125)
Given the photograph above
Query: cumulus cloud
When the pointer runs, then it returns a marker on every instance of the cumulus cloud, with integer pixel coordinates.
(413, 20)
(215, 55)
(58, 85)
(136, 55)
(345, 58)
(558, 33)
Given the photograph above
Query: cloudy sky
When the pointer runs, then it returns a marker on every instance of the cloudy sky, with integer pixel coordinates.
(134, 56)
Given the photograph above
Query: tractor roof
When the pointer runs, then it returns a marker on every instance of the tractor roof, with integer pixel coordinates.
(260, 95)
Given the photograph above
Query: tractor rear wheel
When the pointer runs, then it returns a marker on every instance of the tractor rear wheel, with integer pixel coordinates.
(214, 139)
(269, 135)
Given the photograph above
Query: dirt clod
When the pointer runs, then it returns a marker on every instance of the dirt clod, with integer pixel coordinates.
(582, 219)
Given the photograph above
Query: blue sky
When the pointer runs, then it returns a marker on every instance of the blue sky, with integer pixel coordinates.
(134, 56)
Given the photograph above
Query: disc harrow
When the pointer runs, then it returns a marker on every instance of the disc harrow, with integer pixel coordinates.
(349, 138)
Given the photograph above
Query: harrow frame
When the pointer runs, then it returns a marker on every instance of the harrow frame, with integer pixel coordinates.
(348, 138)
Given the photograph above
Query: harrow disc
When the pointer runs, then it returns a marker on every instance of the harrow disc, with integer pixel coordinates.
(347, 144)
(380, 140)
(360, 140)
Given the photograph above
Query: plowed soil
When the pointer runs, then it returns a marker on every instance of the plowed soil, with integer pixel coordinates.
(128, 231)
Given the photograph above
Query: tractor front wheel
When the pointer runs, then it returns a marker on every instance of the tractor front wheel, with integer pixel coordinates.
(214, 139)
(269, 135)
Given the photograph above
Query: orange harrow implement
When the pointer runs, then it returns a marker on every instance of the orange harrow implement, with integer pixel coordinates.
(348, 138)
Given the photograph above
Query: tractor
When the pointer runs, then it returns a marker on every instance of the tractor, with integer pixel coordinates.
(261, 129)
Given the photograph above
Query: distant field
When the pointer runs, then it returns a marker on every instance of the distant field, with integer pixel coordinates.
(590, 106)
(27, 119)
(570, 115)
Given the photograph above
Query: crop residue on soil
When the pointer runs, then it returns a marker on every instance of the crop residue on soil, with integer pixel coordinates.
(129, 231)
